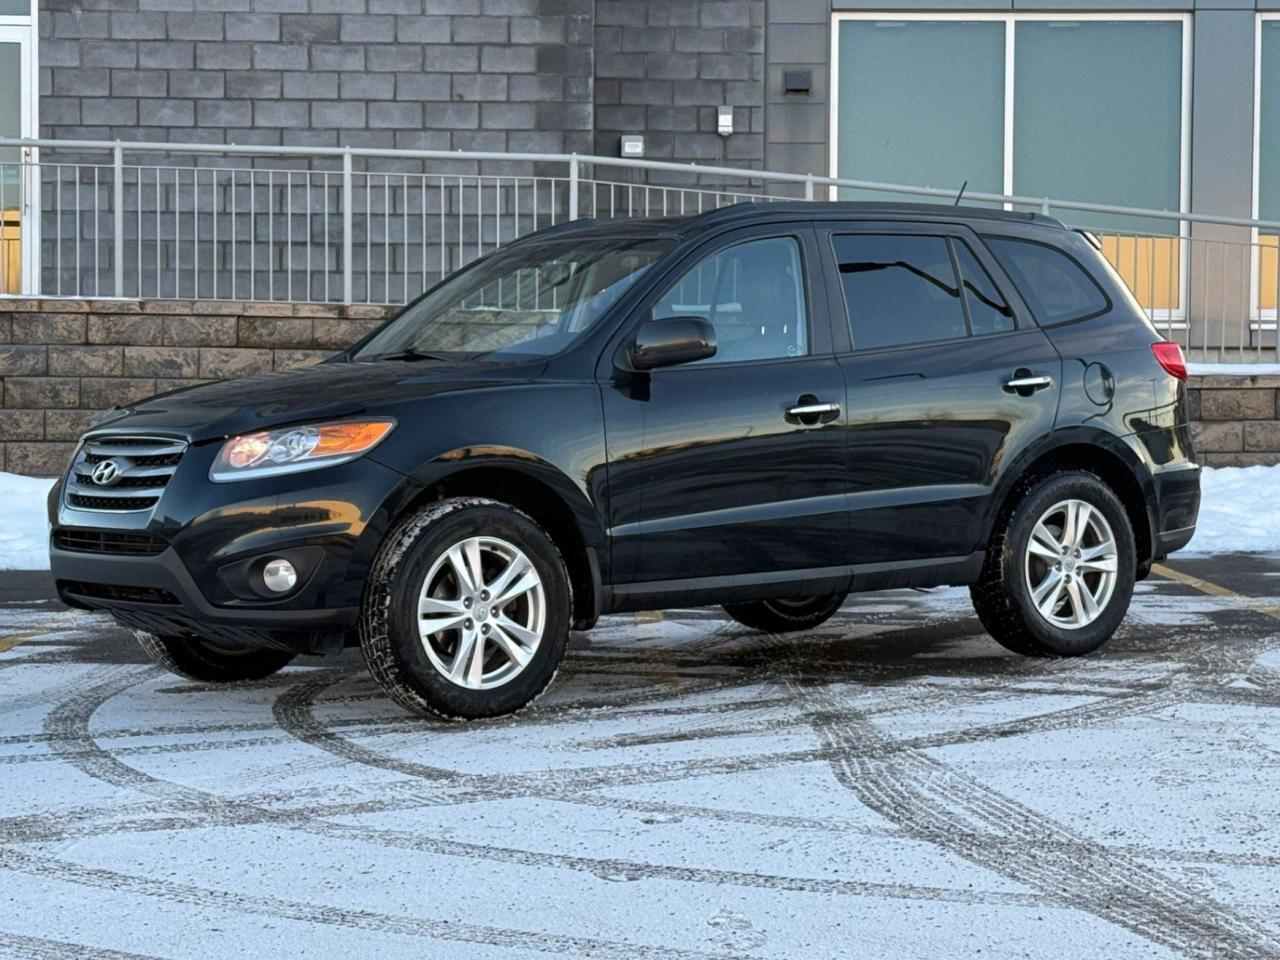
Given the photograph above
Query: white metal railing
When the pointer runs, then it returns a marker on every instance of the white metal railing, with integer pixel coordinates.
(97, 219)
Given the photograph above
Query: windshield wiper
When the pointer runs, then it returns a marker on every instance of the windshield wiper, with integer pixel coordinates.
(410, 354)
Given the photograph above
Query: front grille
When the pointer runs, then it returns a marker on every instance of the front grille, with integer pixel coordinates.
(113, 591)
(109, 541)
(141, 468)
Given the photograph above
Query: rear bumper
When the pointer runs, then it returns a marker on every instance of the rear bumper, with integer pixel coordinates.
(1177, 507)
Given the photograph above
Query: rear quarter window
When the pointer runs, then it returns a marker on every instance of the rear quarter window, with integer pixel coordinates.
(1054, 285)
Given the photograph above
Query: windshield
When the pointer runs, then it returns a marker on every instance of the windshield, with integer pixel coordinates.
(531, 299)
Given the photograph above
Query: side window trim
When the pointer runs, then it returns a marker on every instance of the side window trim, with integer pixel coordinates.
(842, 329)
(964, 294)
(705, 253)
(1108, 303)
(977, 252)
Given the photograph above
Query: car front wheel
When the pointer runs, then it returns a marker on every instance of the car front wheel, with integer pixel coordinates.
(467, 610)
(1059, 574)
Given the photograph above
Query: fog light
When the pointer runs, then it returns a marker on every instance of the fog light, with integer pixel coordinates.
(279, 576)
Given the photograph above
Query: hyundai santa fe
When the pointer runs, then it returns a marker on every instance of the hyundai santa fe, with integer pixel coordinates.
(765, 407)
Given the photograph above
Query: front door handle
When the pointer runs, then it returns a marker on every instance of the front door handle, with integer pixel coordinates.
(811, 411)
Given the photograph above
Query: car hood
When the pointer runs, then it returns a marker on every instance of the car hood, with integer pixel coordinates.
(325, 391)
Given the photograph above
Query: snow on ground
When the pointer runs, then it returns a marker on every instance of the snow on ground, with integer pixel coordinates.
(889, 786)
(24, 527)
(1238, 514)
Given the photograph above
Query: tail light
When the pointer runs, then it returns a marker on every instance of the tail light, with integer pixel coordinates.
(1169, 355)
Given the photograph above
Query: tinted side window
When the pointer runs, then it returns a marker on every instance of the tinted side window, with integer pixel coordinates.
(753, 294)
(988, 312)
(899, 289)
(1056, 288)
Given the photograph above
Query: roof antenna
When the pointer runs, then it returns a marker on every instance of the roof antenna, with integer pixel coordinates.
(960, 194)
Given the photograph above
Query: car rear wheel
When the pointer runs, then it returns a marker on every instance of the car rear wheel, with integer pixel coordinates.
(212, 661)
(1059, 575)
(467, 610)
(785, 616)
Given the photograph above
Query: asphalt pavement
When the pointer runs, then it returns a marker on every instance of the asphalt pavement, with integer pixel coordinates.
(891, 784)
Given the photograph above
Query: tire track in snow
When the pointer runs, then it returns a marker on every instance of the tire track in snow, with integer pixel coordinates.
(40, 948)
(72, 720)
(278, 908)
(962, 816)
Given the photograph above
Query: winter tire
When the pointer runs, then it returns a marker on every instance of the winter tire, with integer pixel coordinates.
(467, 610)
(1060, 569)
(212, 662)
(785, 616)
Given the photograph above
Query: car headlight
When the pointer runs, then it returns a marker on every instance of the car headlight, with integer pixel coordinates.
(269, 453)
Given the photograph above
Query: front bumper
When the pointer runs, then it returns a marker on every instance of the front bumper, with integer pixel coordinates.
(213, 537)
(174, 604)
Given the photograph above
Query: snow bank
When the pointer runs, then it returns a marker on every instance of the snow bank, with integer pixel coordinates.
(24, 528)
(1239, 513)
(1233, 369)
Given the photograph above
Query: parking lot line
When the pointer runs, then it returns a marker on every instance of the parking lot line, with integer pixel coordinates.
(1204, 586)
(11, 641)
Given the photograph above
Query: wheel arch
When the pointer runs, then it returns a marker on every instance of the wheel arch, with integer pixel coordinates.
(1107, 456)
(550, 498)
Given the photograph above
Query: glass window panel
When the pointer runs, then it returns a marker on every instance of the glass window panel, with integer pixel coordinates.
(1269, 124)
(1055, 287)
(1269, 162)
(10, 96)
(988, 312)
(10, 172)
(921, 103)
(753, 294)
(15, 8)
(1098, 116)
(899, 290)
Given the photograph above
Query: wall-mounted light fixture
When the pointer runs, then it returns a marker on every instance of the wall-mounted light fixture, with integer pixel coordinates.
(633, 146)
(724, 121)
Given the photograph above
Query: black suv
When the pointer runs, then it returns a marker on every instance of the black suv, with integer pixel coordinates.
(765, 407)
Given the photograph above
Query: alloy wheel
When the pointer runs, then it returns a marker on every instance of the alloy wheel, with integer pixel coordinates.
(481, 612)
(1070, 565)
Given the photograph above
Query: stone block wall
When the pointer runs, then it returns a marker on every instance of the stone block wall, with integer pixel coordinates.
(1237, 419)
(64, 361)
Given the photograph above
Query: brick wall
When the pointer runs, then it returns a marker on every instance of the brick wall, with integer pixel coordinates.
(63, 361)
(426, 74)
(662, 68)
(1237, 419)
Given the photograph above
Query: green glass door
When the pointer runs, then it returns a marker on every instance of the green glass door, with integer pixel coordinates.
(15, 121)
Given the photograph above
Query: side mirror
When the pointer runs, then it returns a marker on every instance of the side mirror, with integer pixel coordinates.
(664, 343)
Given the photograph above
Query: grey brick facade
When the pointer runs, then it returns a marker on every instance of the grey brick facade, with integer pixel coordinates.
(447, 74)
(662, 69)
(522, 75)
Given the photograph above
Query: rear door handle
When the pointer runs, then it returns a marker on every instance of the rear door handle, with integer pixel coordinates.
(813, 409)
(1026, 383)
